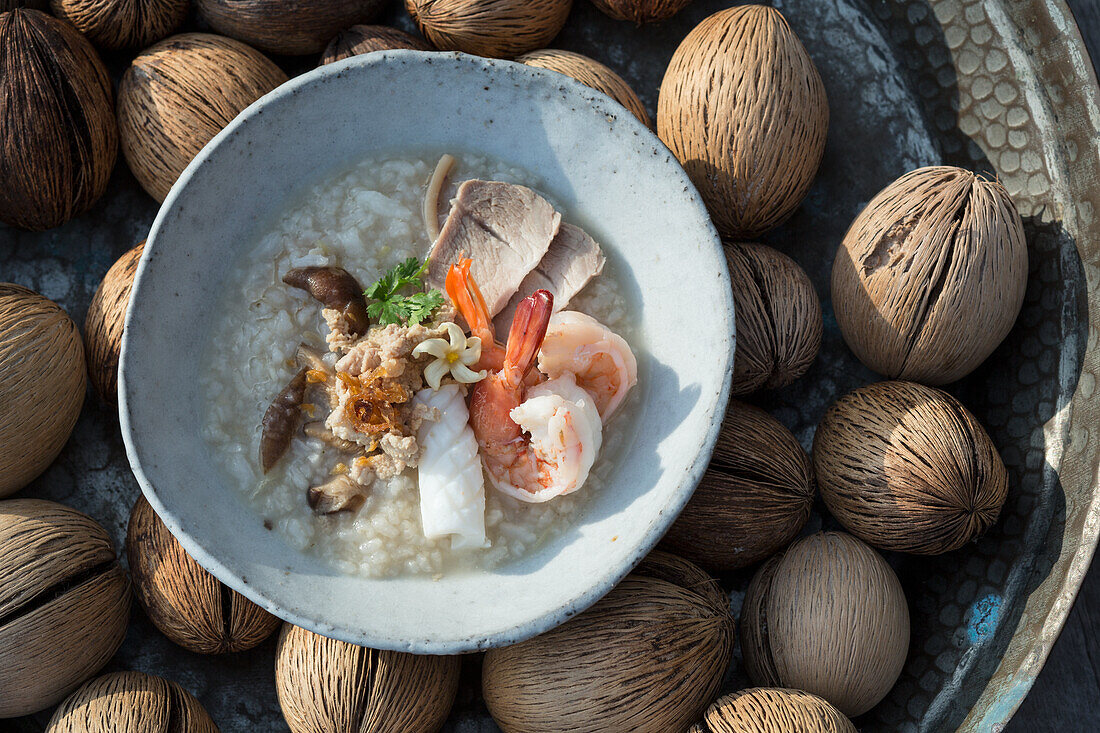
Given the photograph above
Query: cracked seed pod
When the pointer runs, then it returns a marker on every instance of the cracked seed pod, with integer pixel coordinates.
(772, 710)
(495, 28)
(589, 72)
(189, 605)
(648, 657)
(360, 39)
(104, 322)
(829, 617)
(293, 27)
(906, 467)
(179, 94)
(117, 24)
(325, 685)
(42, 389)
(641, 11)
(131, 702)
(778, 318)
(754, 498)
(931, 275)
(744, 110)
(64, 603)
(58, 137)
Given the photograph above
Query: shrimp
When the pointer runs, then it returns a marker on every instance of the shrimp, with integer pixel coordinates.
(463, 291)
(535, 443)
(600, 360)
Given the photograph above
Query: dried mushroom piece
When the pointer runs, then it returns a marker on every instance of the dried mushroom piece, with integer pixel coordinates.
(613, 681)
(281, 420)
(906, 467)
(494, 28)
(64, 603)
(324, 685)
(334, 288)
(131, 702)
(772, 710)
(754, 498)
(189, 605)
(339, 494)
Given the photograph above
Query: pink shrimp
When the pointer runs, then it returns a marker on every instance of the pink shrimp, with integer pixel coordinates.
(466, 296)
(540, 442)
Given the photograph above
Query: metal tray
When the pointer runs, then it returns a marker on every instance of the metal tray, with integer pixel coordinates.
(1002, 86)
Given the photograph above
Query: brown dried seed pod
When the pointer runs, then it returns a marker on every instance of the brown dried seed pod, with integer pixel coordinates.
(6, 5)
(325, 685)
(104, 322)
(131, 702)
(178, 94)
(744, 110)
(648, 658)
(772, 710)
(189, 605)
(931, 275)
(778, 318)
(828, 617)
(115, 24)
(590, 72)
(360, 39)
(42, 389)
(286, 26)
(497, 28)
(908, 468)
(64, 603)
(58, 137)
(754, 498)
(641, 11)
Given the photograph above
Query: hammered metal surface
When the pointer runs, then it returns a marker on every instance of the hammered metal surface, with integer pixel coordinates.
(1001, 86)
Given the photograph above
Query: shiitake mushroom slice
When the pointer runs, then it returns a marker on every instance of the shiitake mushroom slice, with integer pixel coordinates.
(336, 288)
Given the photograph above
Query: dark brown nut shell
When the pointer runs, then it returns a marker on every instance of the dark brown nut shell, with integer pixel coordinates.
(778, 318)
(58, 137)
(641, 11)
(326, 685)
(42, 388)
(931, 275)
(495, 28)
(292, 27)
(828, 617)
(647, 658)
(116, 24)
(104, 322)
(64, 603)
(180, 93)
(754, 498)
(906, 467)
(6, 5)
(189, 605)
(360, 39)
(772, 710)
(591, 73)
(744, 110)
(131, 702)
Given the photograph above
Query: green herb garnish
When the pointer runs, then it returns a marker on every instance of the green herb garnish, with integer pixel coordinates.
(388, 306)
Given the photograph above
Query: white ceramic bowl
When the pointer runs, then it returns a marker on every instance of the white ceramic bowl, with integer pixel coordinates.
(601, 164)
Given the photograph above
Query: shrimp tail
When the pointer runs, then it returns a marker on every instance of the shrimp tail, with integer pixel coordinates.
(466, 296)
(525, 337)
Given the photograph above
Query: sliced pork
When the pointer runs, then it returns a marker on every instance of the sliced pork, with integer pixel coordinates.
(573, 259)
(506, 229)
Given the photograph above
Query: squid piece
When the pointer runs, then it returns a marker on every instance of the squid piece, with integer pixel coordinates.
(452, 485)
(281, 420)
(335, 288)
(340, 494)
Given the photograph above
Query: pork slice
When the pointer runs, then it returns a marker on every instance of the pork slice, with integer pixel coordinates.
(506, 229)
(573, 259)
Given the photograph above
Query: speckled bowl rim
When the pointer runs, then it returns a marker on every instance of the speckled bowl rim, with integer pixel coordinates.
(616, 116)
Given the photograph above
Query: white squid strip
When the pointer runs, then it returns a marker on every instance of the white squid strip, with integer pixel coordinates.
(431, 198)
(452, 486)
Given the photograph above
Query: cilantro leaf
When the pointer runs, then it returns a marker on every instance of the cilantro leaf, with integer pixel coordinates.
(389, 306)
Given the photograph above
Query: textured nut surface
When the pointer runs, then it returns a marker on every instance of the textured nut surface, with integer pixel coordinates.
(64, 603)
(42, 389)
(641, 11)
(286, 26)
(753, 499)
(131, 702)
(906, 467)
(829, 617)
(772, 710)
(178, 94)
(360, 39)
(115, 24)
(600, 672)
(496, 28)
(590, 72)
(58, 137)
(931, 275)
(744, 110)
(104, 322)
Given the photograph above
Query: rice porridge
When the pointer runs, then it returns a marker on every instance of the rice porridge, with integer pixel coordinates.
(339, 486)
